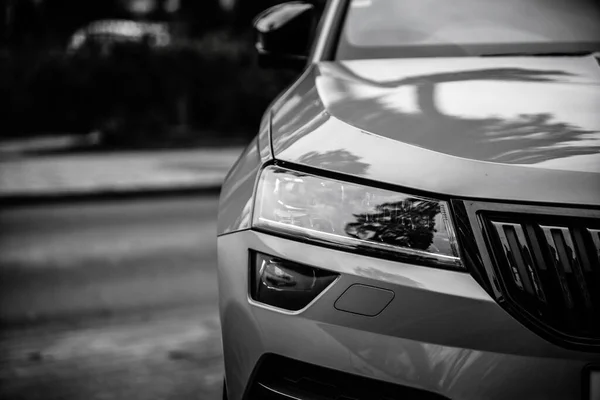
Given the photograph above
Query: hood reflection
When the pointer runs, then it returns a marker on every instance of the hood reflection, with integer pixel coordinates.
(514, 114)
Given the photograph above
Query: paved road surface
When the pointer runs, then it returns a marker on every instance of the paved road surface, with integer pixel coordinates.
(110, 300)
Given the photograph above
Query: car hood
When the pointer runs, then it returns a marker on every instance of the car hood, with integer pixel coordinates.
(509, 128)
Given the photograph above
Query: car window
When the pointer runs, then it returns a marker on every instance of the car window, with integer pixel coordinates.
(397, 28)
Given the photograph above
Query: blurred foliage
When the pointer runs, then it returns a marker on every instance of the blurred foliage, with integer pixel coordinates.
(35, 23)
(136, 93)
(205, 87)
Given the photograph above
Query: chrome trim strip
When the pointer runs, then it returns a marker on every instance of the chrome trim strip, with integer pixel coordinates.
(287, 396)
(264, 224)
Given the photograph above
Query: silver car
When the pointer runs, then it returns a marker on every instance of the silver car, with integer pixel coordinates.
(418, 216)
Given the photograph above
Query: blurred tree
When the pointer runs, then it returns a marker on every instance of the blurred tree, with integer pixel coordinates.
(22, 22)
(201, 16)
(64, 17)
(140, 8)
(7, 12)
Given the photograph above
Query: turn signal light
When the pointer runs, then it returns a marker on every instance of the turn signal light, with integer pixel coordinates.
(285, 284)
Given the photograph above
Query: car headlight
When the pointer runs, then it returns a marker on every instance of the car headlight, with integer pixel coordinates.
(355, 217)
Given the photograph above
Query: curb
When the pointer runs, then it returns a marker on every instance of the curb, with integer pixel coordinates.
(33, 199)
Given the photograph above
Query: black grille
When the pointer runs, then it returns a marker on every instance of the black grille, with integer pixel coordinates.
(283, 378)
(549, 267)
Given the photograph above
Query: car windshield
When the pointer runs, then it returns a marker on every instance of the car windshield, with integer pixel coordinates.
(433, 28)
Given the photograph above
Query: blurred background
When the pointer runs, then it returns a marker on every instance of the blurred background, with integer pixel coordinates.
(119, 121)
(141, 73)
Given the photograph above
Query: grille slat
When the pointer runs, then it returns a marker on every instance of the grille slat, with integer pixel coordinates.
(595, 235)
(570, 261)
(550, 268)
(581, 250)
(558, 267)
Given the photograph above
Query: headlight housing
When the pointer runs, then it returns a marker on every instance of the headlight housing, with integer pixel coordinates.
(355, 217)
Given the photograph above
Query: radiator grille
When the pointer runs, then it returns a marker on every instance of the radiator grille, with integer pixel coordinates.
(550, 270)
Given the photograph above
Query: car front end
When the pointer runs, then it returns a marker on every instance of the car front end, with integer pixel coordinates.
(417, 228)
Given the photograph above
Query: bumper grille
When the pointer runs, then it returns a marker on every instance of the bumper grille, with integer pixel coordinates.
(549, 269)
(280, 378)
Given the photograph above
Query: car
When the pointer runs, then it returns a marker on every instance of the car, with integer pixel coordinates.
(105, 34)
(418, 216)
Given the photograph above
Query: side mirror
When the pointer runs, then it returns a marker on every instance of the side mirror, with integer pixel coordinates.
(284, 33)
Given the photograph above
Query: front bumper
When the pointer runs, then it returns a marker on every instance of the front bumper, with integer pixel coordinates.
(442, 332)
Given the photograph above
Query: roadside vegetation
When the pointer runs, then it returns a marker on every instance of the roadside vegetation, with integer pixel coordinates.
(203, 89)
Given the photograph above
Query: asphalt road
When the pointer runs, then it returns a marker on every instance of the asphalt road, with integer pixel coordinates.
(110, 300)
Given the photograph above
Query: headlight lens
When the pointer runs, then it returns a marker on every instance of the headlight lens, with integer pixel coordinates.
(355, 216)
